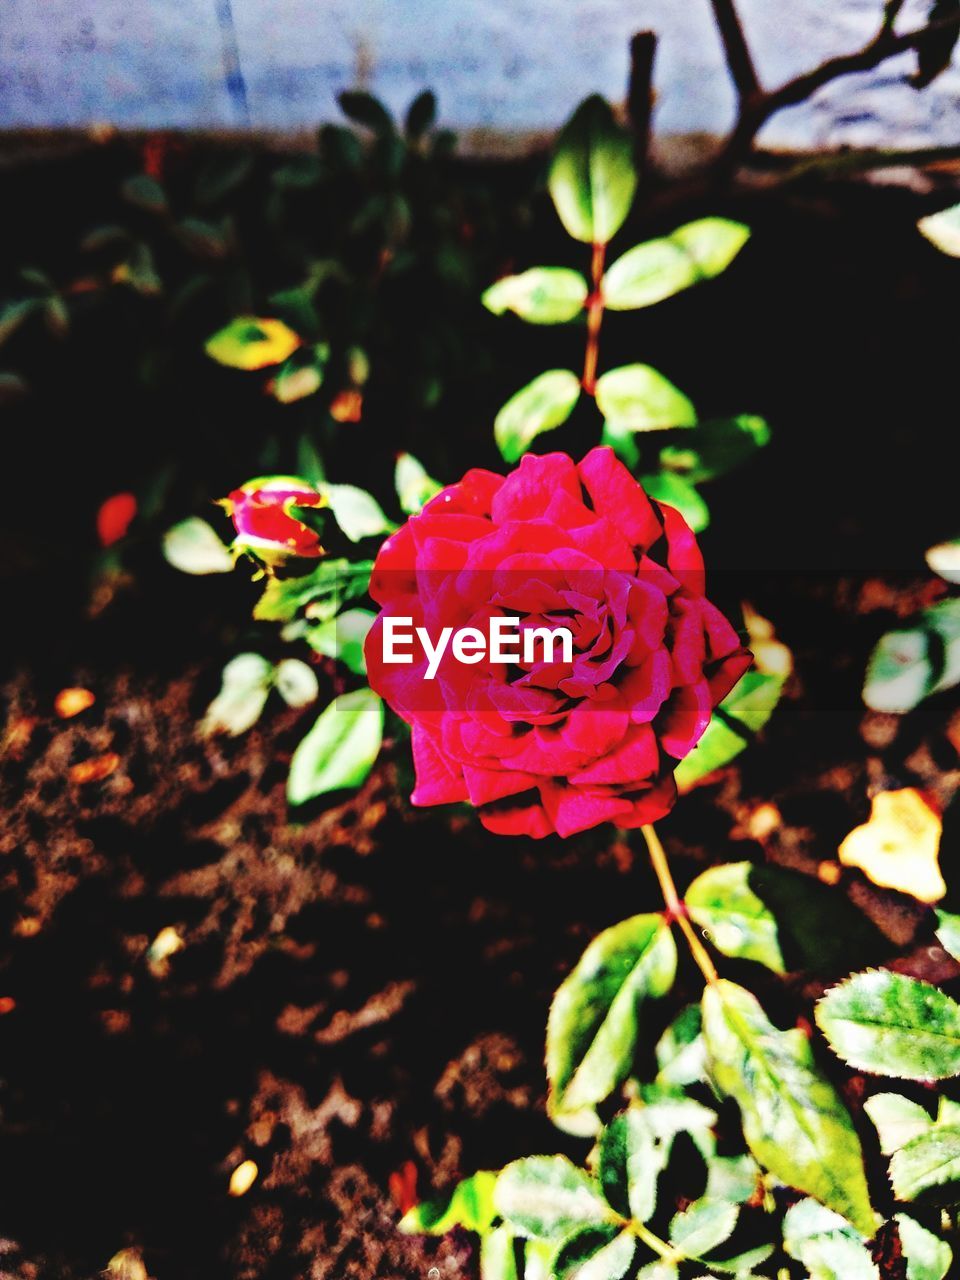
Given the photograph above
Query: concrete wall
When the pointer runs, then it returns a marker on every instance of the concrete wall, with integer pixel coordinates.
(502, 65)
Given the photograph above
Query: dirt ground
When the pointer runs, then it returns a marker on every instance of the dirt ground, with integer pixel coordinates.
(364, 993)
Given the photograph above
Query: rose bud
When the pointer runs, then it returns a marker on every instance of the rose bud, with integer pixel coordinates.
(544, 746)
(264, 515)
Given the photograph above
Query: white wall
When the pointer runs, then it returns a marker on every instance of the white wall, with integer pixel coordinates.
(505, 65)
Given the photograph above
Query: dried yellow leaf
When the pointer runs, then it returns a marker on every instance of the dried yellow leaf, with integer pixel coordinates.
(126, 1265)
(243, 1178)
(899, 848)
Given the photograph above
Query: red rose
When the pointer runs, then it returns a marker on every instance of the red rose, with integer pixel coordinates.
(263, 514)
(543, 747)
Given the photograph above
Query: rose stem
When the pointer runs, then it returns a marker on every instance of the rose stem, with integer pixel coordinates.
(594, 320)
(675, 907)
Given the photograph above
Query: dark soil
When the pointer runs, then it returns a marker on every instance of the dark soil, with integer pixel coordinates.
(368, 990)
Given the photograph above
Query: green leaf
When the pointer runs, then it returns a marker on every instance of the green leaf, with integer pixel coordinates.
(414, 487)
(896, 1120)
(714, 448)
(542, 295)
(948, 933)
(322, 592)
(421, 114)
(357, 512)
(826, 1245)
(712, 243)
(549, 1198)
(365, 109)
(192, 546)
(13, 314)
(679, 493)
(638, 398)
(739, 924)
(340, 749)
(658, 1271)
(943, 230)
(631, 1160)
(596, 1253)
(928, 1257)
(593, 1025)
(296, 682)
(646, 274)
(744, 711)
(249, 342)
(12, 387)
(926, 1163)
(343, 638)
(893, 1025)
(246, 683)
(221, 175)
(498, 1257)
(794, 1122)
(541, 405)
(703, 1226)
(623, 442)
(592, 176)
(145, 193)
(912, 664)
(733, 1178)
(743, 1264)
(680, 1050)
(469, 1205)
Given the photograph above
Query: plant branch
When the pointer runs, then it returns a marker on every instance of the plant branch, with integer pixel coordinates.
(643, 49)
(886, 43)
(737, 52)
(675, 905)
(594, 320)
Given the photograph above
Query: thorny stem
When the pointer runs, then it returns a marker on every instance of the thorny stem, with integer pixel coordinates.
(675, 906)
(594, 320)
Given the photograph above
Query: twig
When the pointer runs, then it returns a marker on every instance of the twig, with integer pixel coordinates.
(676, 908)
(737, 52)
(756, 111)
(643, 48)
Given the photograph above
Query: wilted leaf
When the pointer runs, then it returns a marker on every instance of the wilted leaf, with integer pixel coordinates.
(794, 1122)
(301, 376)
(541, 405)
(548, 1198)
(948, 933)
(542, 295)
(594, 1018)
(243, 1178)
(70, 702)
(592, 176)
(928, 1257)
(95, 769)
(935, 52)
(414, 487)
(340, 749)
(826, 1245)
(739, 924)
(944, 558)
(192, 546)
(296, 682)
(893, 1025)
(638, 398)
(899, 847)
(246, 684)
(251, 342)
